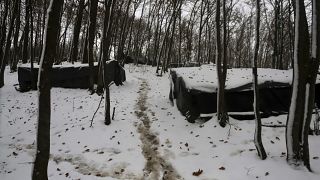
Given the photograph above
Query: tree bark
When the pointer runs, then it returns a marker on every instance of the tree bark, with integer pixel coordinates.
(163, 43)
(44, 85)
(3, 29)
(44, 10)
(257, 135)
(103, 82)
(92, 30)
(76, 32)
(123, 37)
(14, 62)
(281, 37)
(275, 45)
(25, 51)
(33, 80)
(221, 70)
(177, 7)
(200, 31)
(85, 47)
(8, 43)
(303, 94)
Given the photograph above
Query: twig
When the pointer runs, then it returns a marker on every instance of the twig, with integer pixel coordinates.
(229, 131)
(114, 109)
(96, 111)
(73, 105)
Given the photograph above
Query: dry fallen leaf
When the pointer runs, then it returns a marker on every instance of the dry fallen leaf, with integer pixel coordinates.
(197, 173)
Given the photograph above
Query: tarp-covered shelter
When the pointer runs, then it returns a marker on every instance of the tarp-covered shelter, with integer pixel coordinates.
(65, 76)
(195, 91)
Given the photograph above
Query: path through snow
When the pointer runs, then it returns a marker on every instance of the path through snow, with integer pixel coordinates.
(155, 163)
(148, 139)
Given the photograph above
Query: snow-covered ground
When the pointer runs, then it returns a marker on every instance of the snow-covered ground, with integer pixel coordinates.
(148, 139)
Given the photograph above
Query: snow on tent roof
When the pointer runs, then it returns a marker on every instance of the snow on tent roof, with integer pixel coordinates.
(62, 65)
(204, 78)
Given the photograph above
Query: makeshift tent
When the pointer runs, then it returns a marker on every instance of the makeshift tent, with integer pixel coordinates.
(195, 91)
(66, 76)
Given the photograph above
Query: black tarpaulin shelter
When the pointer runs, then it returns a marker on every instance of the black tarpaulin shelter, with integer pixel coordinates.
(193, 101)
(71, 76)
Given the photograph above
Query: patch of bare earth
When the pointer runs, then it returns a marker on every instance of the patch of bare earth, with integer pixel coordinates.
(156, 166)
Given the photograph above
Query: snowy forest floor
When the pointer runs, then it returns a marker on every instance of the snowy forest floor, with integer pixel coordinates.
(148, 139)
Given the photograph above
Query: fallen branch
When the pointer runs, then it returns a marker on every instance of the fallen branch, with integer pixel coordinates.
(114, 109)
(273, 126)
(96, 111)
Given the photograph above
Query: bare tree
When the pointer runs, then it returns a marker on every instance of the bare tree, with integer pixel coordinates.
(304, 77)
(25, 50)
(44, 86)
(221, 69)
(91, 36)
(3, 29)
(257, 135)
(3, 59)
(123, 34)
(14, 61)
(106, 42)
(76, 32)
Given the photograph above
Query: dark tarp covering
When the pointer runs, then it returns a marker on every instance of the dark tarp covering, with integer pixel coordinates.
(274, 99)
(65, 77)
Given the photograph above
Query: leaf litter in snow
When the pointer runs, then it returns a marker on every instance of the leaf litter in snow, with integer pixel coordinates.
(115, 152)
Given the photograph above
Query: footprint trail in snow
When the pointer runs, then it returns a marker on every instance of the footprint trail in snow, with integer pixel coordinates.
(157, 166)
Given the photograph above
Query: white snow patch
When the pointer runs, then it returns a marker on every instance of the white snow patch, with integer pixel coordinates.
(108, 149)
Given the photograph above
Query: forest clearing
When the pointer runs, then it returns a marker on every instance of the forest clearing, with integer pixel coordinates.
(159, 89)
(117, 151)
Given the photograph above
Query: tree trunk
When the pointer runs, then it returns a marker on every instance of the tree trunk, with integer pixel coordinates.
(157, 36)
(85, 47)
(122, 39)
(13, 65)
(281, 37)
(163, 46)
(221, 69)
(25, 51)
(76, 32)
(44, 85)
(129, 47)
(275, 45)
(303, 94)
(8, 43)
(177, 7)
(180, 39)
(200, 32)
(291, 36)
(139, 40)
(3, 29)
(105, 45)
(257, 135)
(92, 31)
(37, 41)
(33, 80)
(44, 10)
